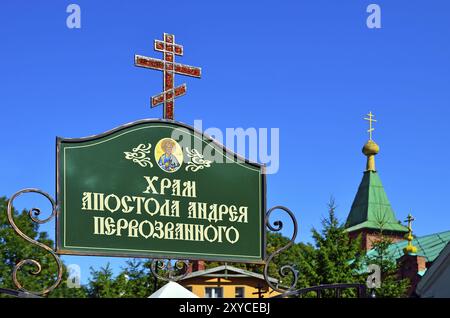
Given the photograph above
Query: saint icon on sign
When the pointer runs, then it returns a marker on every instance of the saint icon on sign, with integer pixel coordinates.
(168, 155)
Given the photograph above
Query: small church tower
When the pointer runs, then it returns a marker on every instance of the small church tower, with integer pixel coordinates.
(371, 213)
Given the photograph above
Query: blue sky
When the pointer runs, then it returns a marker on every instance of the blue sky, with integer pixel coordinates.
(310, 68)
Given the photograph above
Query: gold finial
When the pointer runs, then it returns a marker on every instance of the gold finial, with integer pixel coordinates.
(410, 248)
(370, 120)
(370, 149)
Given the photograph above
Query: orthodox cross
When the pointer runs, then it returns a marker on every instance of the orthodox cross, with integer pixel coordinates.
(410, 248)
(371, 120)
(169, 68)
(410, 219)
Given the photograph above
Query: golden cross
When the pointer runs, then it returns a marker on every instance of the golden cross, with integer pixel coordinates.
(371, 120)
(410, 248)
(410, 219)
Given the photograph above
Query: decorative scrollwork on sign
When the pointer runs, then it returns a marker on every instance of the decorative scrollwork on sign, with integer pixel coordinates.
(169, 270)
(34, 214)
(197, 162)
(285, 270)
(139, 155)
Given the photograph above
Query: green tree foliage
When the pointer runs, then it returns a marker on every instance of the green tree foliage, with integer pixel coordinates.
(103, 284)
(337, 258)
(391, 285)
(135, 280)
(13, 249)
(141, 282)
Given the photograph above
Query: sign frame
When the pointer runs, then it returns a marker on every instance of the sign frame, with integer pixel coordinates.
(205, 137)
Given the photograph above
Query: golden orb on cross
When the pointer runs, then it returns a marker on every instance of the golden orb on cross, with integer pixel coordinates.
(371, 148)
(410, 248)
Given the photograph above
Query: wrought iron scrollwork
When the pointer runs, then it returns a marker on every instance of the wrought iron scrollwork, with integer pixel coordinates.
(168, 270)
(34, 214)
(285, 270)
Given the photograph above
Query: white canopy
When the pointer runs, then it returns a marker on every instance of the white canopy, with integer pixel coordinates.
(173, 290)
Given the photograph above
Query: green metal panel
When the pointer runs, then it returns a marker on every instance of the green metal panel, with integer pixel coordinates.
(371, 207)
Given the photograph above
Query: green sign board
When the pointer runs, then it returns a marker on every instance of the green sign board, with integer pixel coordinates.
(158, 189)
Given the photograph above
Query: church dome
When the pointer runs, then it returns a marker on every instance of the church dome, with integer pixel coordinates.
(370, 148)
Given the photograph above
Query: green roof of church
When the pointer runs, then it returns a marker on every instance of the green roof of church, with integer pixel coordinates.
(371, 207)
(428, 246)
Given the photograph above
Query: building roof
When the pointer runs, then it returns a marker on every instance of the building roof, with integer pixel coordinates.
(173, 290)
(217, 271)
(428, 246)
(435, 282)
(371, 207)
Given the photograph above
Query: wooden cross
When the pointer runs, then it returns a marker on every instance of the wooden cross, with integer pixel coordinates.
(371, 120)
(169, 68)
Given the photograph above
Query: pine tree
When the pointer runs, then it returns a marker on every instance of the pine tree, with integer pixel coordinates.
(102, 283)
(141, 282)
(391, 285)
(337, 257)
